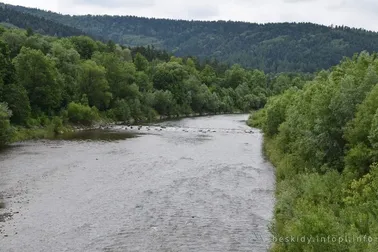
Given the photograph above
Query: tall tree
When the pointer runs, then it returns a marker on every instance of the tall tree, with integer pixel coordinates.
(93, 83)
(5, 127)
(38, 75)
(85, 46)
(141, 63)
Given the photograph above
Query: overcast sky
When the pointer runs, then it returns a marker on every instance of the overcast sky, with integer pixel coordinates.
(355, 13)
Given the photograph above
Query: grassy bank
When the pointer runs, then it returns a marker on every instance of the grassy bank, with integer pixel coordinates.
(58, 127)
(23, 134)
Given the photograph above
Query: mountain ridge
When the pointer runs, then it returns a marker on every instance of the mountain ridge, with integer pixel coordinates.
(35, 9)
(40, 24)
(272, 47)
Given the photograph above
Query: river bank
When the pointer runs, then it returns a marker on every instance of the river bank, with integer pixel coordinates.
(50, 131)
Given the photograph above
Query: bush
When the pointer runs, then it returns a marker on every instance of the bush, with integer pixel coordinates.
(257, 119)
(151, 115)
(6, 131)
(44, 120)
(82, 114)
(56, 125)
(32, 123)
(122, 111)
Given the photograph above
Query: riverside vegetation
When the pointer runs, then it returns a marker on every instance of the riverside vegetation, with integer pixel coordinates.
(323, 140)
(320, 132)
(48, 83)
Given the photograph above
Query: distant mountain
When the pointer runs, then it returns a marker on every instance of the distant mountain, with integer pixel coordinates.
(11, 17)
(280, 47)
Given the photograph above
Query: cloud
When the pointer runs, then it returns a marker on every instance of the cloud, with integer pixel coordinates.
(202, 12)
(354, 13)
(298, 1)
(359, 11)
(116, 3)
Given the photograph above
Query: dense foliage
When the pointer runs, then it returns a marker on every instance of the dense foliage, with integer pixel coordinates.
(5, 128)
(284, 47)
(40, 24)
(323, 139)
(47, 81)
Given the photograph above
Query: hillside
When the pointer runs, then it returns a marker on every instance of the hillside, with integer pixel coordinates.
(11, 17)
(281, 47)
(79, 80)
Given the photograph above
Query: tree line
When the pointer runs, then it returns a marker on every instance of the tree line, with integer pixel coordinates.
(12, 17)
(58, 81)
(323, 140)
(272, 47)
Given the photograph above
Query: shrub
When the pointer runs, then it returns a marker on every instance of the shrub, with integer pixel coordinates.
(82, 114)
(6, 131)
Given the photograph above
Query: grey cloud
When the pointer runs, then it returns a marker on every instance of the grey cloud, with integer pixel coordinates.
(201, 12)
(357, 5)
(117, 3)
(337, 6)
(298, 1)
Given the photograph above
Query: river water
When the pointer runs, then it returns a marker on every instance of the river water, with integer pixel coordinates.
(197, 184)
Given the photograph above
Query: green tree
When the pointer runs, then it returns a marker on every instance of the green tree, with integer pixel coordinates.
(276, 111)
(119, 74)
(15, 40)
(122, 110)
(29, 32)
(280, 84)
(5, 127)
(82, 114)
(85, 46)
(208, 75)
(67, 61)
(124, 54)
(213, 103)
(39, 43)
(200, 99)
(169, 76)
(93, 83)
(141, 63)
(143, 82)
(110, 46)
(6, 67)
(164, 102)
(234, 76)
(18, 101)
(373, 134)
(136, 109)
(359, 155)
(38, 75)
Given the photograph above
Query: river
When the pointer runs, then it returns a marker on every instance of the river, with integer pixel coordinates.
(196, 184)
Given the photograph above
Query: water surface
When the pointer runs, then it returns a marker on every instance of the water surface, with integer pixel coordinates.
(197, 184)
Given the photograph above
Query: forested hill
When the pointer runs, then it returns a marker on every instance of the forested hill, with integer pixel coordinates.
(42, 25)
(282, 47)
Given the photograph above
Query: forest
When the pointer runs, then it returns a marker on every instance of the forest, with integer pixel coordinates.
(272, 47)
(50, 82)
(323, 140)
(13, 18)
